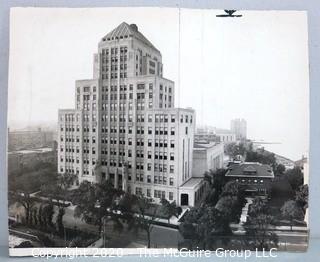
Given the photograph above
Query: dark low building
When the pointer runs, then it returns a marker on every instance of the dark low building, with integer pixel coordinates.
(29, 139)
(254, 178)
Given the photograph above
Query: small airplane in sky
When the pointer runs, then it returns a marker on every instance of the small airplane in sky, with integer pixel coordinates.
(229, 13)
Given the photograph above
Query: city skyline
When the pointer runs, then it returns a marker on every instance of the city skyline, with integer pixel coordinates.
(218, 86)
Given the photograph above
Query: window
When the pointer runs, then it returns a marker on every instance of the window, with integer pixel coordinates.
(165, 155)
(148, 192)
(149, 118)
(149, 130)
(170, 195)
(171, 169)
(148, 179)
(171, 143)
(171, 156)
(166, 118)
(172, 131)
(171, 179)
(159, 194)
(138, 191)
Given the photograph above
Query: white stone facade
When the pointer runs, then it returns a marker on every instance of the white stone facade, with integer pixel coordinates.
(125, 127)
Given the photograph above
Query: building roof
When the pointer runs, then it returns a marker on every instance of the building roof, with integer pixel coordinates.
(32, 151)
(204, 145)
(192, 183)
(250, 169)
(125, 30)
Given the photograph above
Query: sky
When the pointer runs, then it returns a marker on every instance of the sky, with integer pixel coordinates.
(254, 67)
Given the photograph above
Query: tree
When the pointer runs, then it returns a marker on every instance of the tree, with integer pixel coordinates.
(39, 216)
(295, 177)
(216, 179)
(125, 206)
(204, 226)
(263, 157)
(257, 207)
(59, 191)
(47, 215)
(258, 232)
(291, 210)
(280, 169)
(143, 220)
(190, 227)
(257, 227)
(171, 209)
(34, 216)
(24, 199)
(302, 197)
(232, 200)
(59, 222)
(96, 202)
(64, 182)
(234, 149)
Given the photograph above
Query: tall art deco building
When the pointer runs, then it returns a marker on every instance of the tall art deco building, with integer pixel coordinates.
(125, 127)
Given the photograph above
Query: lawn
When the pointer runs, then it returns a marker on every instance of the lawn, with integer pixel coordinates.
(31, 180)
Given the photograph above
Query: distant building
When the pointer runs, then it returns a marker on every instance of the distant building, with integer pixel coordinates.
(239, 127)
(206, 156)
(206, 134)
(225, 136)
(254, 178)
(29, 139)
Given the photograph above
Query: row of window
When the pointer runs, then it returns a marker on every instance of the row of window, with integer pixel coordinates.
(250, 181)
(115, 67)
(114, 50)
(139, 154)
(140, 86)
(113, 76)
(156, 193)
(160, 180)
(73, 129)
(69, 117)
(114, 59)
(69, 170)
(87, 89)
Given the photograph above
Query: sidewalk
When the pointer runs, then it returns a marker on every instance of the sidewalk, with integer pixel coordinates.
(277, 228)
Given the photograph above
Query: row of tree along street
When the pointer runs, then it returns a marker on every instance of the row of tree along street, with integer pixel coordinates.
(96, 204)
